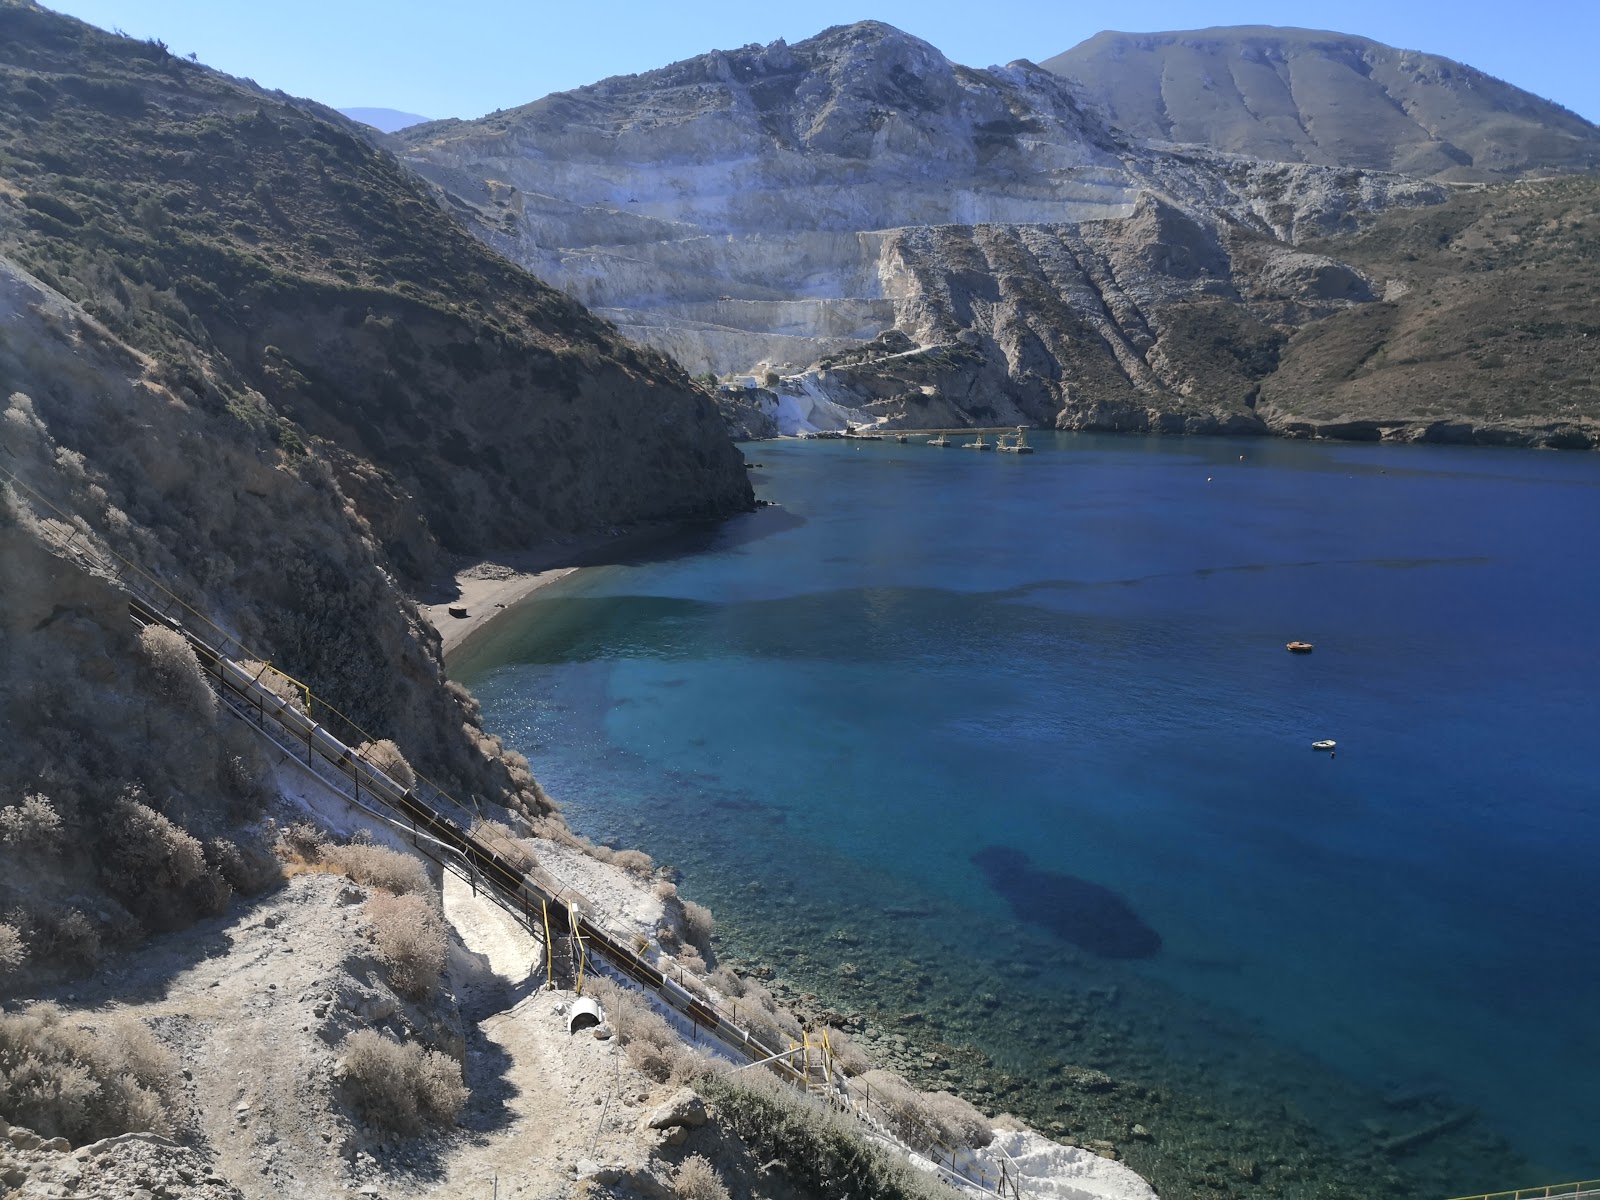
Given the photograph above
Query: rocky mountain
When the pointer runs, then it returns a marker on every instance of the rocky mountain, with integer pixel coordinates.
(385, 120)
(1301, 95)
(878, 233)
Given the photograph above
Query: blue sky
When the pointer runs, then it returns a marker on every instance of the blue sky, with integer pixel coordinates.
(469, 57)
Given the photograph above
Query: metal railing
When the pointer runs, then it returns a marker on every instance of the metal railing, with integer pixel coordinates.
(1586, 1187)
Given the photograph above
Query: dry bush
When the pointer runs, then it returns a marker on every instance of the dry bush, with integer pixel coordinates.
(248, 869)
(652, 1046)
(634, 862)
(959, 1122)
(381, 867)
(469, 702)
(693, 967)
(34, 825)
(303, 842)
(503, 840)
(899, 1106)
(697, 1179)
(599, 853)
(825, 1151)
(410, 939)
(65, 937)
(399, 1086)
(767, 1011)
(386, 756)
(61, 1079)
(13, 951)
(276, 682)
(697, 927)
(665, 891)
(917, 1118)
(154, 867)
(849, 1056)
(176, 670)
(729, 982)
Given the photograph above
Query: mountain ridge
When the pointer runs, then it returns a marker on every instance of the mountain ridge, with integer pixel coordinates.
(385, 120)
(1305, 95)
(793, 211)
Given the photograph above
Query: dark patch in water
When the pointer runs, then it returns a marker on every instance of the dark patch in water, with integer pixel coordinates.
(1091, 917)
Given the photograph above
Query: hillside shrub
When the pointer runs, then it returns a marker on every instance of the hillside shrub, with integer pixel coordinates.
(65, 937)
(176, 670)
(824, 1150)
(634, 862)
(381, 867)
(248, 869)
(652, 1046)
(13, 950)
(503, 840)
(386, 756)
(154, 867)
(918, 1119)
(697, 1179)
(698, 925)
(33, 826)
(399, 1086)
(61, 1078)
(410, 938)
(279, 684)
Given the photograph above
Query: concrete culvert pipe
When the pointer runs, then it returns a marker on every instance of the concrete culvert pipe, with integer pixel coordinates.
(584, 1014)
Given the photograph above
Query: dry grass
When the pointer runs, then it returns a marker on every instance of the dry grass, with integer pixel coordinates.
(399, 1086)
(61, 1078)
(410, 938)
(697, 1179)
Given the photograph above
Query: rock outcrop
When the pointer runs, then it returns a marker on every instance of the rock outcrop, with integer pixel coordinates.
(782, 210)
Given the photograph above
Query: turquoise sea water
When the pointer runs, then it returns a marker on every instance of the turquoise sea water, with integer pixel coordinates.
(823, 710)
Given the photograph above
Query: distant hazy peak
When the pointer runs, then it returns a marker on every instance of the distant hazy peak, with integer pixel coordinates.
(1309, 95)
(386, 120)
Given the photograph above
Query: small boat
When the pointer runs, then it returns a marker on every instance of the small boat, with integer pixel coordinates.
(941, 440)
(1299, 647)
(980, 444)
(1018, 446)
(902, 438)
(1325, 744)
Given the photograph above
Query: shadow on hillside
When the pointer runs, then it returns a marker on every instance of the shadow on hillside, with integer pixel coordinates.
(143, 973)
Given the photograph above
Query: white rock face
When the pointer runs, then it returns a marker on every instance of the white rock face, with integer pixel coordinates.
(732, 209)
(766, 208)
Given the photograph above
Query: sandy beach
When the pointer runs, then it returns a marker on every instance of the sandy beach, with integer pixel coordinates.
(488, 588)
(484, 591)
